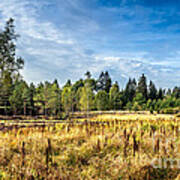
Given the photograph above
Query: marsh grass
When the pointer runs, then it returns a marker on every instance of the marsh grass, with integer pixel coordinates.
(122, 148)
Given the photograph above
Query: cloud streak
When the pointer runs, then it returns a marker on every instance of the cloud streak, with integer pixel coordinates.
(64, 39)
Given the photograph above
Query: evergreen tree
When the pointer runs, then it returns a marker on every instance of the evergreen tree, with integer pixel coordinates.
(142, 86)
(152, 91)
(54, 99)
(108, 82)
(104, 82)
(176, 92)
(16, 99)
(160, 94)
(100, 82)
(9, 63)
(130, 90)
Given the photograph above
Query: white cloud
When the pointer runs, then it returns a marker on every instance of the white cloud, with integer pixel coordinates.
(26, 20)
(36, 37)
(123, 68)
(51, 52)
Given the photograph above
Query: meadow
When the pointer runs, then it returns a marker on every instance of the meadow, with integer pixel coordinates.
(105, 146)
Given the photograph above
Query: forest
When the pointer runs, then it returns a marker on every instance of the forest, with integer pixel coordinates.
(18, 97)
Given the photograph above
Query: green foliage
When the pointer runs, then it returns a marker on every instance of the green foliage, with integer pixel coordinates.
(102, 100)
(142, 86)
(130, 90)
(54, 101)
(9, 63)
(86, 101)
(129, 106)
(152, 91)
(67, 99)
(85, 94)
(16, 99)
(115, 98)
(176, 92)
(139, 102)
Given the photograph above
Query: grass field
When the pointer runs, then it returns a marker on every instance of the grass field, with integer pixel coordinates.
(128, 146)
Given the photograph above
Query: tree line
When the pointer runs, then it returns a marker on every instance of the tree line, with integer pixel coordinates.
(18, 97)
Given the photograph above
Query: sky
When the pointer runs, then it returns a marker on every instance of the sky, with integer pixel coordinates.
(63, 39)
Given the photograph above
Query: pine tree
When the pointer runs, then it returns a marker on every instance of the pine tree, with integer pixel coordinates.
(108, 82)
(142, 86)
(54, 99)
(100, 82)
(16, 99)
(176, 92)
(9, 63)
(152, 91)
(104, 82)
(160, 94)
(130, 90)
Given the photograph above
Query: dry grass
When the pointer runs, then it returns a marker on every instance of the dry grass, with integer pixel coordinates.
(122, 148)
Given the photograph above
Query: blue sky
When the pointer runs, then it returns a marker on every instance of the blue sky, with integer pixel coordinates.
(64, 38)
